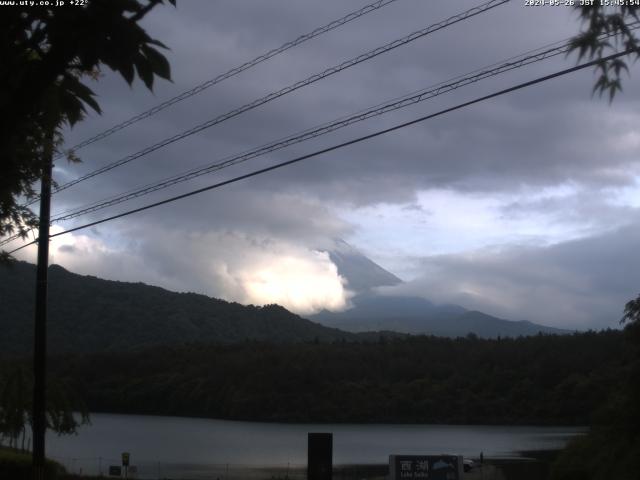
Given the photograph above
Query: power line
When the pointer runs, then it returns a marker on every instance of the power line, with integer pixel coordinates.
(302, 83)
(527, 58)
(234, 71)
(494, 69)
(11, 238)
(338, 146)
(380, 109)
(514, 62)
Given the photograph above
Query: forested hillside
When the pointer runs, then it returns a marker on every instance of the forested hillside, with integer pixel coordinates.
(532, 380)
(89, 314)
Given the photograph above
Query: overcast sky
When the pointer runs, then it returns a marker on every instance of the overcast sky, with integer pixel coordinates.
(525, 206)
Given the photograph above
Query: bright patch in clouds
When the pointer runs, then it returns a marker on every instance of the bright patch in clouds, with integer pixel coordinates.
(628, 196)
(449, 222)
(260, 270)
(74, 250)
(228, 265)
(302, 284)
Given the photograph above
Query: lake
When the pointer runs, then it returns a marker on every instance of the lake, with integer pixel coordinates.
(178, 447)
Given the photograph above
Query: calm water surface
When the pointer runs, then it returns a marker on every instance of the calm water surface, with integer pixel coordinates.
(195, 441)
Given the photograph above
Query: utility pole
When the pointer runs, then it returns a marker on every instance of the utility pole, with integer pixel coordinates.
(40, 333)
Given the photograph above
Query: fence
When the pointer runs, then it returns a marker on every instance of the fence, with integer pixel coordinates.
(228, 471)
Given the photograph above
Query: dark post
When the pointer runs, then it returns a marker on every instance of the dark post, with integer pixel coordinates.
(40, 334)
(320, 456)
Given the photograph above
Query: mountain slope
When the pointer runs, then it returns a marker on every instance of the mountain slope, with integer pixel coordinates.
(407, 314)
(362, 274)
(88, 314)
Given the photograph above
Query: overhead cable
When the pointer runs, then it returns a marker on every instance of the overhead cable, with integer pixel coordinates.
(234, 71)
(533, 56)
(497, 68)
(421, 96)
(336, 147)
(277, 94)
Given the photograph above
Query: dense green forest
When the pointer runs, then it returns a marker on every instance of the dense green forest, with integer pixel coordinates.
(612, 447)
(89, 314)
(529, 380)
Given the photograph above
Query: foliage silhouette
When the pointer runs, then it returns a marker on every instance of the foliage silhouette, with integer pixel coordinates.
(601, 20)
(612, 447)
(46, 54)
(16, 395)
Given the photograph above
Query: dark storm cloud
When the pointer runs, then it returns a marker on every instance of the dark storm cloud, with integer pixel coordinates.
(549, 135)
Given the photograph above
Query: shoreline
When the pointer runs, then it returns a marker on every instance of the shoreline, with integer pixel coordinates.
(343, 423)
(531, 465)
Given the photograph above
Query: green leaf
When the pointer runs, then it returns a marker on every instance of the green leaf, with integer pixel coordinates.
(72, 107)
(619, 65)
(80, 90)
(153, 41)
(158, 62)
(145, 71)
(85, 94)
(127, 71)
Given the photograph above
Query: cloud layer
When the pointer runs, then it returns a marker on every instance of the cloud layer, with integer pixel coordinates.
(578, 284)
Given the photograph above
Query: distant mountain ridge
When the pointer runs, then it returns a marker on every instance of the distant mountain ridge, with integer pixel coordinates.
(408, 314)
(361, 273)
(415, 315)
(89, 314)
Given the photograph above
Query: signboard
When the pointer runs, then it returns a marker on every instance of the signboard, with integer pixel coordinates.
(425, 467)
(125, 459)
(115, 471)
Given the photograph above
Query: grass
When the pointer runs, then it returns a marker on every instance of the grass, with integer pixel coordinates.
(16, 465)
